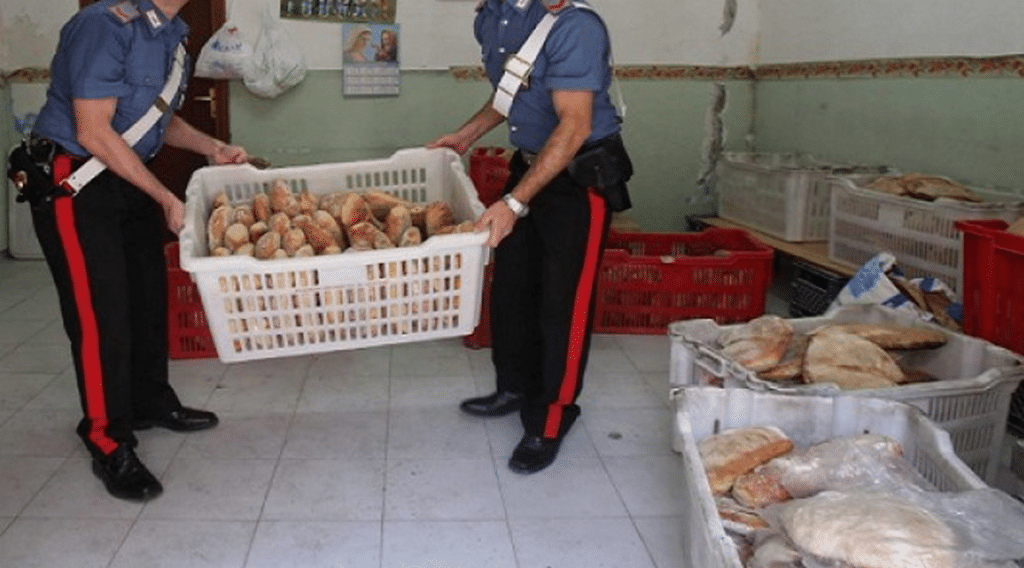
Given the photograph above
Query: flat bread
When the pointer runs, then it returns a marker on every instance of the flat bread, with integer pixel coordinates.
(758, 344)
(737, 517)
(791, 365)
(869, 530)
(850, 362)
(895, 337)
(731, 453)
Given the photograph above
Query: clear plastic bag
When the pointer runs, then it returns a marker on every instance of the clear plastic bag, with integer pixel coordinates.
(225, 55)
(277, 63)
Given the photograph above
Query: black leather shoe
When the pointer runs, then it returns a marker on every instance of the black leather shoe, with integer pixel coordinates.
(497, 404)
(533, 454)
(181, 420)
(125, 477)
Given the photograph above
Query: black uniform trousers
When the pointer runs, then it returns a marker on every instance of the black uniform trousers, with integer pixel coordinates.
(542, 299)
(104, 248)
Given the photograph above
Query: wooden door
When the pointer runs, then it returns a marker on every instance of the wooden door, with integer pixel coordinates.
(206, 102)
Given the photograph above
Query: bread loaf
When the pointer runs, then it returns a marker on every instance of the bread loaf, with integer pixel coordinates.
(760, 487)
(759, 344)
(381, 203)
(235, 236)
(731, 453)
(282, 200)
(261, 206)
(438, 214)
(396, 221)
(790, 366)
(353, 210)
(267, 245)
(889, 336)
(850, 362)
(217, 225)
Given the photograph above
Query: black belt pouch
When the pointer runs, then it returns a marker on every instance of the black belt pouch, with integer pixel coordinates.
(606, 167)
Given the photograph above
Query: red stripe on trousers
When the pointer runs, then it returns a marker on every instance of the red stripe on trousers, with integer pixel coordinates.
(578, 323)
(89, 347)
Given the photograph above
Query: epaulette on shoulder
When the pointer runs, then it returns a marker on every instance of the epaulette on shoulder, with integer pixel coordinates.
(556, 6)
(125, 11)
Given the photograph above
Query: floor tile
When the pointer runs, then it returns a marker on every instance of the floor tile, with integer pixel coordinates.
(664, 539)
(41, 433)
(569, 488)
(648, 353)
(609, 390)
(61, 543)
(370, 362)
(60, 393)
(73, 491)
(337, 435)
(240, 437)
(435, 434)
(14, 330)
(609, 361)
(23, 478)
(456, 544)
(344, 392)
(212, 489)
(326, 490)
(594, 543)
(453, 489)
(286, 544)
(239, 393)
(435, 358)
(648, 485)
(630, 431)
(17, 389)
(31, 358)
(195, 544)
(430, 391)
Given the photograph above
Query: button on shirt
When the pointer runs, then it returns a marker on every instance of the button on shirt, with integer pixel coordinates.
(574, 58)
(100, 56)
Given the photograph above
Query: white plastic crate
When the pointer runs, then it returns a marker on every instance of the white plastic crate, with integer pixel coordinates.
(970, 399)
(273, 308)
(921, 234)
(703, 411)
(784, 195)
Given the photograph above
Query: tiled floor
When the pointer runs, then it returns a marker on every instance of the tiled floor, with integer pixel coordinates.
(356, 459)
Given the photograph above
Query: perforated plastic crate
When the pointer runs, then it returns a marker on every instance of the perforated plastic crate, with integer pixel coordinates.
(188, 334)
(273, 308)
(784, 195)
(701, 412)
(970, 399)
(921, 234)
(648, 280)
(813, 290)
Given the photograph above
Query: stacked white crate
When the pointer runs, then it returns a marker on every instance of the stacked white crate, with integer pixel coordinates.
(295, 306)
(784, 195)
(921, 234)
(703, 411)
(970, 399)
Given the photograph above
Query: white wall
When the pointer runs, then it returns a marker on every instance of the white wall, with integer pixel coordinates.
(827, 30)
(437, 34)
(29, 31)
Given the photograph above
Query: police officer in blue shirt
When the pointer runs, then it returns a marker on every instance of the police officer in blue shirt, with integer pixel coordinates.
(104, 245)
(549, 229)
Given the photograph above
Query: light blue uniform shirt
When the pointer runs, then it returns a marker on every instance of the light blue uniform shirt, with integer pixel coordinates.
(575, 57)
(99, 56)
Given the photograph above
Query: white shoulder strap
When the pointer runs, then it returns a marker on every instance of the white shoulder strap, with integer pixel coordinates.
(93, 167)
(520, 65)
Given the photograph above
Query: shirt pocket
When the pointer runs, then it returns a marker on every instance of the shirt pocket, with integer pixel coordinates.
(145, 82)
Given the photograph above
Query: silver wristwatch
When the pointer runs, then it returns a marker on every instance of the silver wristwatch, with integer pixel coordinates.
(519, 209)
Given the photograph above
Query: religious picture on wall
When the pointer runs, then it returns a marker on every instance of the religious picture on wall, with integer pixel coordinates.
(370, 11)
(370, 64)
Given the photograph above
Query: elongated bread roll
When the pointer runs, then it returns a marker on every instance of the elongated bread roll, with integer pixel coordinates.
(850, 362)
(731, 453)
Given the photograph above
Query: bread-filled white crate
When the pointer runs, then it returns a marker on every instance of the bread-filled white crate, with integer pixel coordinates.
(970, 398)
(704, 411)
(294, 306)
(922, 235)
(784, 195)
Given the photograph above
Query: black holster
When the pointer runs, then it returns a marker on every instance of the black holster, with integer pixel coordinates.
(28, 167)
(606, 167)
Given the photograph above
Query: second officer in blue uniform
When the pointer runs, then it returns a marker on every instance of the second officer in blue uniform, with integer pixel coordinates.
(549, 230)
(104, 245)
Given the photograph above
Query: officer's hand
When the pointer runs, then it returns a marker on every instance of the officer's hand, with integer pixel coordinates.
(230, 154)
(500, 219)
(174, 213)
(453, 141)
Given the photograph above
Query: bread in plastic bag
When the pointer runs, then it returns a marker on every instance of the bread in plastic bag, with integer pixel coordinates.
(277, 63)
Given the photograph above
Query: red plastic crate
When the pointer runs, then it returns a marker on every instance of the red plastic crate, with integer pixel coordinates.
(481, 336)
(488, 170)
(188, 334)
(649, 280)
(993, 294)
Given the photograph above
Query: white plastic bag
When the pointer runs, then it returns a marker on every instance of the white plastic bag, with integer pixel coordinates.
(225, 55)
(277, 63)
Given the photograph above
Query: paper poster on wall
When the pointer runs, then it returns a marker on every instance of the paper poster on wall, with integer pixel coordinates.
(375, 11)
(370, 59)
